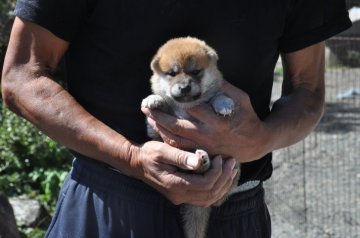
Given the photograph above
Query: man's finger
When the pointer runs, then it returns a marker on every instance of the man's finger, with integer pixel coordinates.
(205, 182)
(224, 183)
(170, 138)
(218, 190)
(171, 123)
(204, 113)
(179, 158)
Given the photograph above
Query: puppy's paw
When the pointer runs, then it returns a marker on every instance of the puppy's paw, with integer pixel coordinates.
(223, 105)
(153, 102)
(205, 161)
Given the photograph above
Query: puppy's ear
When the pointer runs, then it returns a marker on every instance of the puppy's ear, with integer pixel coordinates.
(212, 54)
(155, 64)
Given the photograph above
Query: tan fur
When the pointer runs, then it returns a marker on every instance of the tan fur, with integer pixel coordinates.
(176, 87)
(184, 51)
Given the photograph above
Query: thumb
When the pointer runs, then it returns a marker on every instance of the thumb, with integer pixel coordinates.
(183, 159)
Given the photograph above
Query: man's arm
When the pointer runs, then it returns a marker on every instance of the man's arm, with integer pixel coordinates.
(244, 135)
(28, 89)
(301, 105)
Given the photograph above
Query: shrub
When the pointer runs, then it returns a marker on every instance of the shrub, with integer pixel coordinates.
(6, 19)
(30, 162)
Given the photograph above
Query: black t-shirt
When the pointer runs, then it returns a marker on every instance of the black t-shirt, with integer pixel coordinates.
(113, 42)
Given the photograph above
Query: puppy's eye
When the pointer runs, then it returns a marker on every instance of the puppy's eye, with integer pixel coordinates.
(171, 73)
(196, 72)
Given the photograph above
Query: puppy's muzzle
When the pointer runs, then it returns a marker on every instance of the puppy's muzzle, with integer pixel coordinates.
(185, 91)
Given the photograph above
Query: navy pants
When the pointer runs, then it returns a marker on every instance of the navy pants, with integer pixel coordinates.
(96, 201)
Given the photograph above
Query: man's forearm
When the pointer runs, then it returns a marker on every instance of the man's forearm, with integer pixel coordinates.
(55, 112)
(28, 89)
(293, 117)
(301, 106)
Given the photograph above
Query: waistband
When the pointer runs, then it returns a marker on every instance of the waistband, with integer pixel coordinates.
(240, 203)
(99, 176)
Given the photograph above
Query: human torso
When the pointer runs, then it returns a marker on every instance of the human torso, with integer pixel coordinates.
(108, 62)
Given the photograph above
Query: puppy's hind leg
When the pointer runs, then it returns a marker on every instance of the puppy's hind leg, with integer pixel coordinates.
(205, 161)
(196, 218)
(195, 221)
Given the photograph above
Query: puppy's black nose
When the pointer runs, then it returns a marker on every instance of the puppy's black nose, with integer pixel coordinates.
(185, 89)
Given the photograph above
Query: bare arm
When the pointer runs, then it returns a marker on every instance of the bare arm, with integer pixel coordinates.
(28, 89)
(244, 135)
(301, 105)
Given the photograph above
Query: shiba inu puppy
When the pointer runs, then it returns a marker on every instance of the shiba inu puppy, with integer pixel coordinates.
(185, 74)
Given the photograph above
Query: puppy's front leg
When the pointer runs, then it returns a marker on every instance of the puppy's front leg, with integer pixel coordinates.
(223, 105)
(154, 101)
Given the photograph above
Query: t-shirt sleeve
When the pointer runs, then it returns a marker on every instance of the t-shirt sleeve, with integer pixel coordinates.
(64, 18)
(312, 21)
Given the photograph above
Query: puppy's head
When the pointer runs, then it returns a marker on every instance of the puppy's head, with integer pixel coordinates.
(185, 71)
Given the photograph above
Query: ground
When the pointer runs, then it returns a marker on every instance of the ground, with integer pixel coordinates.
(315, 188)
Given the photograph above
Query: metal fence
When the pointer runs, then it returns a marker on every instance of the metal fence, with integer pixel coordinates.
(315, 188)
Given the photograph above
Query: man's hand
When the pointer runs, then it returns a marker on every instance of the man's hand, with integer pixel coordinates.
(163, 168)
(229, 136)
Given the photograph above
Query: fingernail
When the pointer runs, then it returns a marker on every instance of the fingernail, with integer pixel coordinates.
(192, 162)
